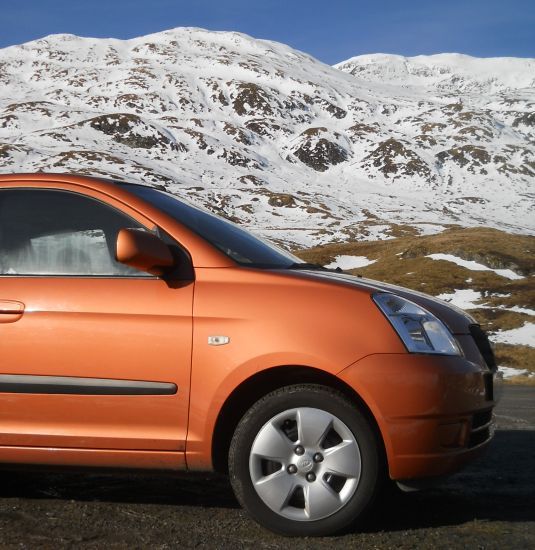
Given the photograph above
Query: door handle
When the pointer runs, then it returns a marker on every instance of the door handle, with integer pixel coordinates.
(10, 311)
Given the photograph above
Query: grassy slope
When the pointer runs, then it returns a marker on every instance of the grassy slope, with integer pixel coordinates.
(403, 261)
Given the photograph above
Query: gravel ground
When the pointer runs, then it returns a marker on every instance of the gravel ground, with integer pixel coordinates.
(491, 504)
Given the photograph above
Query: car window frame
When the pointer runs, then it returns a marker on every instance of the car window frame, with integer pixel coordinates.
(112, 203)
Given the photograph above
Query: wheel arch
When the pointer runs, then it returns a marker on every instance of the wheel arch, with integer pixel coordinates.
(266, 381)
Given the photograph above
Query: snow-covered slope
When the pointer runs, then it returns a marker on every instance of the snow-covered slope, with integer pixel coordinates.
(302, 152)
(447, 72)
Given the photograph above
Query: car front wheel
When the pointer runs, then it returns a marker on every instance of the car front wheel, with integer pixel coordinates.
(304, 461)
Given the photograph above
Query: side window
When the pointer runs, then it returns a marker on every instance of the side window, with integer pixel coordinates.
(47, 232)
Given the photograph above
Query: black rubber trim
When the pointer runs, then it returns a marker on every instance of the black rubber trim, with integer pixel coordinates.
(22, 383)
(483, 345)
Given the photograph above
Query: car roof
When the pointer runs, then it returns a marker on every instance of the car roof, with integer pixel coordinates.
(68, 177)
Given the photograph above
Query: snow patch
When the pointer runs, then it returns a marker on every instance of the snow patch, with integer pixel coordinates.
(518, 309)
(350, 262)
(465, 299)
(522, 336)
(510, 372)
(475, 266)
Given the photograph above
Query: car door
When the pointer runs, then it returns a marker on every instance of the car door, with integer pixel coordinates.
(94, 354)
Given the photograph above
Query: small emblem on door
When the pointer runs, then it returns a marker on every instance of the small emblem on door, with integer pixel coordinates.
(218, 340)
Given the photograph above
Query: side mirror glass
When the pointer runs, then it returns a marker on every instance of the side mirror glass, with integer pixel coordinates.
(144, 251)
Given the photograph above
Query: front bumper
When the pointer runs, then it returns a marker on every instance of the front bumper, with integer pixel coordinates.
(434, 412)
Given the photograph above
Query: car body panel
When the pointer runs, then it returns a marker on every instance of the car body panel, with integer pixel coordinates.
(93, 458)
(256, 310)
(92, 327)
(152, 331)
(454, 318)
(424, 407)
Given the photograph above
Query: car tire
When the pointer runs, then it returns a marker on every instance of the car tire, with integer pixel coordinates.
(304, 461)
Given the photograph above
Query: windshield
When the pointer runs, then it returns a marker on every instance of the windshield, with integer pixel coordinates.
(240, 245)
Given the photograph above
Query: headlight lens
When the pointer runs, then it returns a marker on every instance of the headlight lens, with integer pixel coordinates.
(419, 329)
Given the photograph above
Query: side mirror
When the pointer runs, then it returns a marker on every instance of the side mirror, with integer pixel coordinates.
(144, 251)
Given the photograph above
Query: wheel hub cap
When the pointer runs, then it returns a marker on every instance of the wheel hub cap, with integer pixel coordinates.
(285, 474)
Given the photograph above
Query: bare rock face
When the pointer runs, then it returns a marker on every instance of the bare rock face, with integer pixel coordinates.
(363, 132)
(131, 130)
(526, 119)
(251, 98)
(237, 133)
(394, 159)
(235, 157)
(282, 200)
(471, 156)
(318, 149)
(266, 127)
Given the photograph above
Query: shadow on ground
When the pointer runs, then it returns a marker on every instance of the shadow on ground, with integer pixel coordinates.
(500, 486)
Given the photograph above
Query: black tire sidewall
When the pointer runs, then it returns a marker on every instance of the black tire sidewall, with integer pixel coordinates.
(291, 397)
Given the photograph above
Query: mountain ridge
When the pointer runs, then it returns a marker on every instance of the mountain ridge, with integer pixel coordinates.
(520, 74)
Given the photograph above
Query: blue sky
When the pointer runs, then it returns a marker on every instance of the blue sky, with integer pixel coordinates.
(331, 30)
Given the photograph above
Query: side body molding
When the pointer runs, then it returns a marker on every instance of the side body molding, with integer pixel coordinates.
(74, 385)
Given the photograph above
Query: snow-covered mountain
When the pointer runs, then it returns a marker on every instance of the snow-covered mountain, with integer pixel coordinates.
(300, 151)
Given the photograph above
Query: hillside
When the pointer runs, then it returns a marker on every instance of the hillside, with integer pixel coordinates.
(300, 151)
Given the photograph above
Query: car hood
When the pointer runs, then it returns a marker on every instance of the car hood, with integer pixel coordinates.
(457, 320)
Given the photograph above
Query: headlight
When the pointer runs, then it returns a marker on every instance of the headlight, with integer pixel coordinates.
(419, 329)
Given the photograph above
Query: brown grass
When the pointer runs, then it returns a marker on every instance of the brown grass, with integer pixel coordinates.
(521, 380)
(499, 319)
(518, 357)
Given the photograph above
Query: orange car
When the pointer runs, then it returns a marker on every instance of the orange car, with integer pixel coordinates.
(138, 331)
